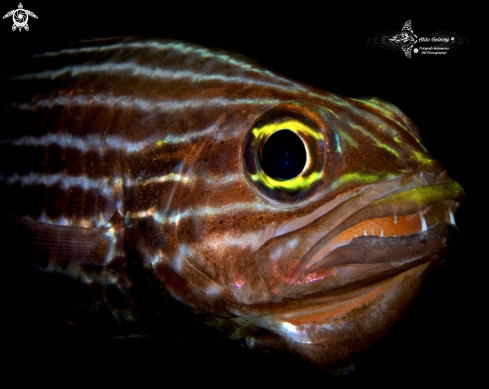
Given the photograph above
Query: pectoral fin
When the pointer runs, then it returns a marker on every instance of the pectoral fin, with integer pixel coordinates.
(44, 243)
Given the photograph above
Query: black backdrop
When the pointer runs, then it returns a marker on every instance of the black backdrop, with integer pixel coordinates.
(442, 333)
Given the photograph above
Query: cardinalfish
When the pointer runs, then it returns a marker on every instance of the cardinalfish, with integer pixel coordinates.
(289, 218)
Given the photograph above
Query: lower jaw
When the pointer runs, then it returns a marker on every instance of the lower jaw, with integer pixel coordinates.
(331, 337)
(381, 292)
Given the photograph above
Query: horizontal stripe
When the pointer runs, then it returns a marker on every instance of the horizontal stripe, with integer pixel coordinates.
(143, 105)
(98, 221)
(202, 211)
(109, 185)
(99, 142)
(89, 143)
(64, 181)
(133, 69)
(226, 239)
(178, 49)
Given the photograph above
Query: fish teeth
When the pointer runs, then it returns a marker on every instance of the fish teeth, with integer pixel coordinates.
(365, 232)
(395, 219)
(423, 222)
(452, 218)
(382, 233)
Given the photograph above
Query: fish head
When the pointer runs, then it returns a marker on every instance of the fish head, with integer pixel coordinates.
(314, 254)
(307, 225)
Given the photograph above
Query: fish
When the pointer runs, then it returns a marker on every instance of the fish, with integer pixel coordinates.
(162, 179)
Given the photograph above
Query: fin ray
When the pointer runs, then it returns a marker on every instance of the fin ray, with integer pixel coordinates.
(45, 243)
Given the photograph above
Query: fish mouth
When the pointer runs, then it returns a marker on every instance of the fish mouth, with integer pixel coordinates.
(389, 236)
(387, 245)
(355, 288)
(369, 273)
(351, 270)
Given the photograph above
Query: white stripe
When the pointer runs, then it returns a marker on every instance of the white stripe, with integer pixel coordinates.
(377, 141)
(223, 240)
(218, 182)
(157, 73)
(99, 221)
(174, 218)
(156, 45)
(179, 48)
(93, 143)
(65, 181)
(113, 251)
(166, 178)
(101, 143)
(106, 185)
(96, 142)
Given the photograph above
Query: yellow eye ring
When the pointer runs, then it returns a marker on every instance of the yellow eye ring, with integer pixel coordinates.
(308, 174)
(314, 126)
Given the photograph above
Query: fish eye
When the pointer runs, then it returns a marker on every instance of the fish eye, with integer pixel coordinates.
(288, 156)
(289, 151)
(283, 155)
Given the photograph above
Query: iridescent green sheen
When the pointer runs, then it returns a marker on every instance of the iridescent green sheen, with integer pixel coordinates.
(422, 159)
(361, 178)
(374, 139)
(424, 196)
(348, 138)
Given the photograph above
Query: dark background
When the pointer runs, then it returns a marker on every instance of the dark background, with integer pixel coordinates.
(442, 336)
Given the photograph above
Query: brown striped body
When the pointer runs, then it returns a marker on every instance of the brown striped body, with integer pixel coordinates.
(147, 144)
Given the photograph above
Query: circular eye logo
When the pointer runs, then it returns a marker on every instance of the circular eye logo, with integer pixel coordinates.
(20, 16)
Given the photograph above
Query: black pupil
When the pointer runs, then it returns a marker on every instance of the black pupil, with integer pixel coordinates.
(283, 155)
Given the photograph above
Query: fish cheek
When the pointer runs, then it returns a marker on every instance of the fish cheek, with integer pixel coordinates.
(222, 246)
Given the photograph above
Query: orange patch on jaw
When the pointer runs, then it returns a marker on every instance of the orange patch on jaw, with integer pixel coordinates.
(382, 226)
(406, 225)
(336, 309)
